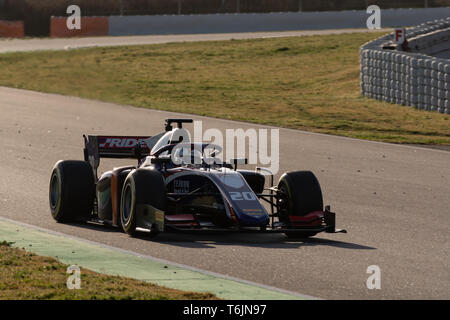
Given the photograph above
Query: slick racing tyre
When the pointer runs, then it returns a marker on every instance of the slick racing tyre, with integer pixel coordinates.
(300, 194)
(120, 182)
(142, 186)
(72, 191)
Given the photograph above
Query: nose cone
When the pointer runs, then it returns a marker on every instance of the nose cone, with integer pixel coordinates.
(252, 216)
(236, 191)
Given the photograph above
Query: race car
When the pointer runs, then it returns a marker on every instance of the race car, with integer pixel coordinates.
(180, 185)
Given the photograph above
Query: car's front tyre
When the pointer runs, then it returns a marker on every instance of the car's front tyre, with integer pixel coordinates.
(300, 194)
(141, 187)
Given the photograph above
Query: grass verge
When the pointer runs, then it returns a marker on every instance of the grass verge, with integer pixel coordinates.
(25, 275)
(309, 83)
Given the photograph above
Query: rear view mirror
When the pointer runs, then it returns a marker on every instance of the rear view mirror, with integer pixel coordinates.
(240, 161)
(161, 159)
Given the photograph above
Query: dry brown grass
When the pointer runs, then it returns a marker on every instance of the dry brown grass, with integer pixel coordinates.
(24, 275)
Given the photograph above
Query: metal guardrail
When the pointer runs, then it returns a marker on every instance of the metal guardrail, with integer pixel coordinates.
(409, 78)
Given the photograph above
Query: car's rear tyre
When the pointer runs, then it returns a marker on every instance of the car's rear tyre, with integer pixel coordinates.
(142, 186)
(72, 191)
(300, 194)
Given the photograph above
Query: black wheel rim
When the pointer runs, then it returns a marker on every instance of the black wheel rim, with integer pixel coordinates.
(283, 203)
(54, 191)
(126, 209)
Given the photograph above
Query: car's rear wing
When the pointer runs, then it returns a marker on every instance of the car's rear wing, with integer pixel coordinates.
(118, 147)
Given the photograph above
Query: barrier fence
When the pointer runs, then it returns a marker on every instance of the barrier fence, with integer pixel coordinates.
(241, 22)
(92, 26)
(36, 13)
(412, 78)
(11, 29)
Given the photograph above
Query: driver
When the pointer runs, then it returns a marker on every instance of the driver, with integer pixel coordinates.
(185, 155)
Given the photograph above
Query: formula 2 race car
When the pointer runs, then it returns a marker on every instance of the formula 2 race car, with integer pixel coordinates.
(179, 185)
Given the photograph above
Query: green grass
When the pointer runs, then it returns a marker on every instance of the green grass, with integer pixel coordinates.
(309, 83)
(24, 275)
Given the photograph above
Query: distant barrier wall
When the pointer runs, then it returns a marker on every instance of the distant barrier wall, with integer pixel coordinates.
(240, 22)
(90, 26)
(412, 78)
(256, 22)
(12, 29)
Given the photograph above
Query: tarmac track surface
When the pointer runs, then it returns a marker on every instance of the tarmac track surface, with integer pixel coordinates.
(394, 201)
(16, 45)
